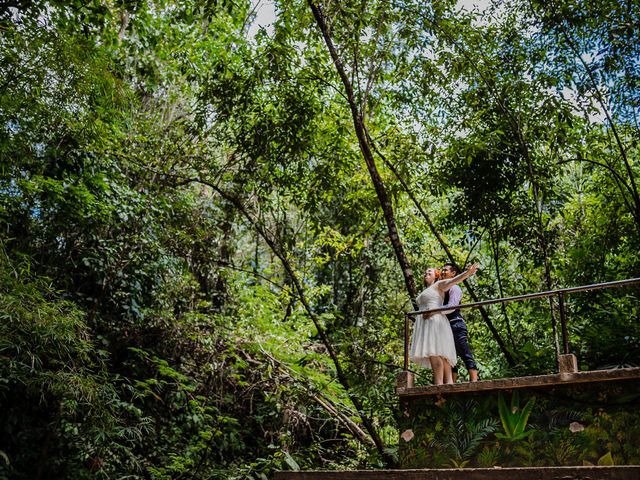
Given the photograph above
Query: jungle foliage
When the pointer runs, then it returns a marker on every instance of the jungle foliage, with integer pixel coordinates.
(209, 236)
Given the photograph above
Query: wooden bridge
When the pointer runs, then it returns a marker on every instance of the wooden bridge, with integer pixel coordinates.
(615, 392)
(566, 426)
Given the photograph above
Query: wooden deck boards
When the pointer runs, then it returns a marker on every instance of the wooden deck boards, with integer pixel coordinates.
(627, 472)
(523, 382)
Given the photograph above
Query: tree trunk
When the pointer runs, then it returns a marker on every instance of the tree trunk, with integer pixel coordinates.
(365, 148)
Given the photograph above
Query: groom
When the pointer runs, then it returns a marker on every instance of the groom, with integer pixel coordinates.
(452, 298)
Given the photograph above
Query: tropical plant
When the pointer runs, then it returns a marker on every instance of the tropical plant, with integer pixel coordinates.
(604, 460)
(514, 419)
(489, 456)
(462, 432)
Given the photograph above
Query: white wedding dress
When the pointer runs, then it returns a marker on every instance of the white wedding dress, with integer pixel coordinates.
(431, 336)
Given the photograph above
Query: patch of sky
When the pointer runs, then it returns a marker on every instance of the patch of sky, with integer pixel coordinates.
(479, 6)
(482, 10)
(264, 16)
(12, 127)
(38, 148)
(12, 189)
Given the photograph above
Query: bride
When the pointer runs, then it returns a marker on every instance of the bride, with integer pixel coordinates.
(432, 344)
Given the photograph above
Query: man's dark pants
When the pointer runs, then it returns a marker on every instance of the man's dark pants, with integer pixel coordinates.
(463, 350)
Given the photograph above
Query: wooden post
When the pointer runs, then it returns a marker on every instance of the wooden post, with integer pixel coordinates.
(563, 323)
(404, 380)
(568, 363)
(406, 343)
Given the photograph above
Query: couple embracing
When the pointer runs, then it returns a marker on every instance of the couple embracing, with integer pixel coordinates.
(439, 338)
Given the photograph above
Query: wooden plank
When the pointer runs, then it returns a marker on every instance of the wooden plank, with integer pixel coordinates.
(524, 382)
(618, 472)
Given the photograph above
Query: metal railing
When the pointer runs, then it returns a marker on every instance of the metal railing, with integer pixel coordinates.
(519, 298)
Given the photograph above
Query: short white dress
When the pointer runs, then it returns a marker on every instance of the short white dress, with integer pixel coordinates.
(431, 336)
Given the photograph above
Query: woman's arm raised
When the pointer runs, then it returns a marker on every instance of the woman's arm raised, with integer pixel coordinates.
(445, 285)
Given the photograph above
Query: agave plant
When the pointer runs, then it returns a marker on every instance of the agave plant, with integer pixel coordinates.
(514, 419)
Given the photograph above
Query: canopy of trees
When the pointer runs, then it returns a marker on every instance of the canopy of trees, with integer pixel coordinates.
(209, 238)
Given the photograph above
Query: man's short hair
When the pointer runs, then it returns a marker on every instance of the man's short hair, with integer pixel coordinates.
(453, 266)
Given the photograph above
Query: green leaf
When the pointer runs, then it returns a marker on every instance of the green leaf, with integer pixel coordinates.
(291, 462)
(524, 416)
(606, 459)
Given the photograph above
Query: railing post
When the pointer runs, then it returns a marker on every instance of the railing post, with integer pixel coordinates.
(406, 343)
(563, 323)
(404, 379)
